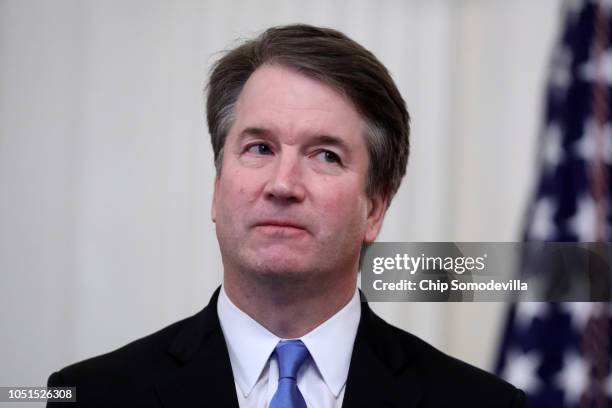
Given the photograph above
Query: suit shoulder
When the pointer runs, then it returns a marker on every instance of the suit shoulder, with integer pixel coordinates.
(464, 384)
(137, 357)
(429, 356)
(130, 375)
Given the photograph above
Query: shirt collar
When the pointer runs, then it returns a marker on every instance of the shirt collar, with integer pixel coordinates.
(330, 344)
(248, 358)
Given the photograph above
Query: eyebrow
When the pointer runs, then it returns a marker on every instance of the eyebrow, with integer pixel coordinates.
(254, 131)
(330, 140)
(322, 139)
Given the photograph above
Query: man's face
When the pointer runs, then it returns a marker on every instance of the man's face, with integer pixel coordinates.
(290, 199)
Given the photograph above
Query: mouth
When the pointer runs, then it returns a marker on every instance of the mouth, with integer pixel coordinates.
(279, 226)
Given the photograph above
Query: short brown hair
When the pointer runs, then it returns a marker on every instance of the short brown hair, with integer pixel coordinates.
(331, 57)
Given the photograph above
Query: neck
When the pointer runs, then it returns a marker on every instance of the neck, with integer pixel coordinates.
(288, 309)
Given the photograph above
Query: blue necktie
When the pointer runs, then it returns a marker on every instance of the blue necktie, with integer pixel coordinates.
(291, 355)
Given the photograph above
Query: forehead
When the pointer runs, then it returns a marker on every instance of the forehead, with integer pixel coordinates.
(285, 101)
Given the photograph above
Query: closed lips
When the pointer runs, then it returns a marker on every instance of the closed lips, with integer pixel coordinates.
(277, 223)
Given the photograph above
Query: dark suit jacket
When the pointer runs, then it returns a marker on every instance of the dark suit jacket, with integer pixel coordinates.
(187, 365)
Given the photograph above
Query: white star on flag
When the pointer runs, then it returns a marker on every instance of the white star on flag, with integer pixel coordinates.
(521, 369)
(542, 226)
(600, 69)
(573, 378)
(584, 220)
(586, 148)
(581, 312)
(527, 312)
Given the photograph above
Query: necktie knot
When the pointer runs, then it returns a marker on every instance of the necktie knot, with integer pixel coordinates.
(291, 354)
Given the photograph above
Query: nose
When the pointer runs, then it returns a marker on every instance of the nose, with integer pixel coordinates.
(285, 184)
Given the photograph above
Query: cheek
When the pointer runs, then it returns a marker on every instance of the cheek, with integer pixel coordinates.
(237, 188)
(344, 204)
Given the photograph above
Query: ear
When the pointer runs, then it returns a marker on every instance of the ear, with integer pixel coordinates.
(213, 208)
(377, 206)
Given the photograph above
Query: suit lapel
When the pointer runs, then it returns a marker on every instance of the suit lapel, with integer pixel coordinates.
(204, 377)
(381, 373)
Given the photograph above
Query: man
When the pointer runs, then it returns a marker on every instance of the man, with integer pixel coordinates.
(310, 136)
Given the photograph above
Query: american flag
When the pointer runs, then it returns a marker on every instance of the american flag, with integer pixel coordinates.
(559, 354)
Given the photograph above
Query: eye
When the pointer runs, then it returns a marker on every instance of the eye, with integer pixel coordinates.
(329, 156)
(259, 148)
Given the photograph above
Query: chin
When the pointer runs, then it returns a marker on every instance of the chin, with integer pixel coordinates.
(281, 269)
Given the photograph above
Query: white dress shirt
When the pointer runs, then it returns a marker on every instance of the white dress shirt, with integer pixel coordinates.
(322, 377)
